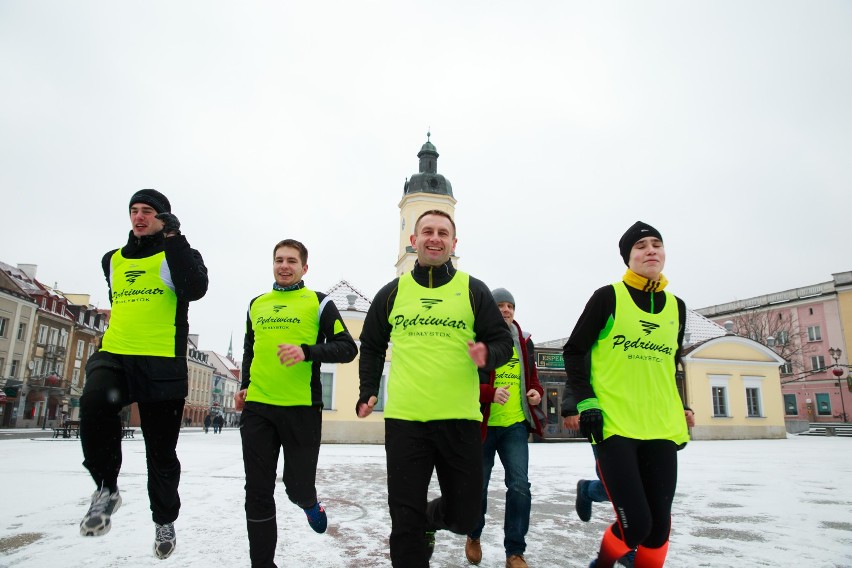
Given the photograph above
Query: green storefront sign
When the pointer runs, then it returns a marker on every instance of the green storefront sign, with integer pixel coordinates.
(549, 361)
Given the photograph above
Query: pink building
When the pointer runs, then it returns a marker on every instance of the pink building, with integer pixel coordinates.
(805, 326)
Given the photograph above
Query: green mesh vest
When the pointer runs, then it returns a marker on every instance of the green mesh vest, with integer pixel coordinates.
(282, 317)
(144, 306)
(432, 377)
(509, 377)
(633, 372)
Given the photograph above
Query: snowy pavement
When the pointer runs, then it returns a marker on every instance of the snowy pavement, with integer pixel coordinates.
(742, 504)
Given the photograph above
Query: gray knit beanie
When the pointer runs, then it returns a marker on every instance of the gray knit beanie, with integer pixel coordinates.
(503, 295)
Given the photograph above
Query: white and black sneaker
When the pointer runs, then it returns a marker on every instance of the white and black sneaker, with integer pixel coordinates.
(165, 540)
(97, 520)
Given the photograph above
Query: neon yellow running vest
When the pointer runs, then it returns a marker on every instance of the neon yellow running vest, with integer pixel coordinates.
(282, 317)
(509, 377)
(144, 307)
(432, 377)
(633, 372)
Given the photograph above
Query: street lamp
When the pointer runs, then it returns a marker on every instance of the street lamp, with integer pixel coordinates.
(835, 354)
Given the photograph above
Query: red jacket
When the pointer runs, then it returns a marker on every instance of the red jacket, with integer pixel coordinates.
(533, 414)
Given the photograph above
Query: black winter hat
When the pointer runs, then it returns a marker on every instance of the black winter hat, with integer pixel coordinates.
(637, 231)
(153, 198)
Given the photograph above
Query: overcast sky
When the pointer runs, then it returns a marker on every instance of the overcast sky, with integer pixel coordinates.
(727, 125)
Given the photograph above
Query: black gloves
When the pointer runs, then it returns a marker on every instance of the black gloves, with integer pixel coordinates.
(170, 223)
(591, 424)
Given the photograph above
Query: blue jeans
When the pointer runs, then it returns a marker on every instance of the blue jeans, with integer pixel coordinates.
(594, 491)
(510, 443)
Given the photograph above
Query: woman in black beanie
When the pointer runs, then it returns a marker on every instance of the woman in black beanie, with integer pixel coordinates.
(621, 393)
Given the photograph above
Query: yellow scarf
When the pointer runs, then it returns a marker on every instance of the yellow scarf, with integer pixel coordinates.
(641, 283)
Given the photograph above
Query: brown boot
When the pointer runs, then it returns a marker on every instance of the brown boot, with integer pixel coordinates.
(516, 561)
(473, 551)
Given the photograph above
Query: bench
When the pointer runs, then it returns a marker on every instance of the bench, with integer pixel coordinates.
(72, 426)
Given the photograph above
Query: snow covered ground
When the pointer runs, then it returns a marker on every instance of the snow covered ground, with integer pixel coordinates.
(739, 504)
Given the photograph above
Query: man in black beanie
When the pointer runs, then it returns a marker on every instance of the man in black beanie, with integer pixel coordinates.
(142, 359)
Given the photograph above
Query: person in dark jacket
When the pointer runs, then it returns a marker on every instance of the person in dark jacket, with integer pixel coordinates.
(620, 361)
(290, 331)
(509, 397)
(142, 359)
(208, 421)
(444, 325)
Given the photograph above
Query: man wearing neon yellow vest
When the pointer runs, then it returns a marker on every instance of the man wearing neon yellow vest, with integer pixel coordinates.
(509, 397)
(142, 359)
(444, 325)
(290, 331)
(621, 360)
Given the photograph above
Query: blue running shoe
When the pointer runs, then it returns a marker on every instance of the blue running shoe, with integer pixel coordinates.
(316, 517)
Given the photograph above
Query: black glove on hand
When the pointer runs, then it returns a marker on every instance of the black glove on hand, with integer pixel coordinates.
(170, 223)
(591, 424)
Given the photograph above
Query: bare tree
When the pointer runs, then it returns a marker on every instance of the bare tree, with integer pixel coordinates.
(778, 331)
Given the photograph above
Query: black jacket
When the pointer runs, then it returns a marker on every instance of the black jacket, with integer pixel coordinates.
(153, 378)
(488, 325)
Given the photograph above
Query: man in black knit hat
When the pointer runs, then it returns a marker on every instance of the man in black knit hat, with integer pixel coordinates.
(142, 359)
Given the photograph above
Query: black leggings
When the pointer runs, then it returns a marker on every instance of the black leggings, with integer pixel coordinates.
(640, 477)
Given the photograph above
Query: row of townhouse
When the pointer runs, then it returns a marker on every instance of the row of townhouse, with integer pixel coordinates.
(46, 338)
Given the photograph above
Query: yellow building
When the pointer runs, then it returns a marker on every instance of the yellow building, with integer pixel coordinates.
(734, 386)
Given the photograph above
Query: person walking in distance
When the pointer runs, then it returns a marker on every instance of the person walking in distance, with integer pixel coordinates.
(509, 397)
(290, 331)
(631, 333)
(443, 324)
(142, 359)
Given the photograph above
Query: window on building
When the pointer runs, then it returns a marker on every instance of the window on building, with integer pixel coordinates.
(327, 380)
(80, 346)
(782, 338)
(4, 324)
(37, 363)
(753, 395)
(720, 401)
(791, 407)
(22, 331)
(817, 362)
(719, 394)
(53, 338)
(786, 368)
(814, 333)
(753, 401)
(42, 335)
(91, 350)
(2, 367)
(13, 371)
(63, 338)
(823, 402)
(75, 378)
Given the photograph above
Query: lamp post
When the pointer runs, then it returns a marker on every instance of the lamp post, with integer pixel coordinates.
(835, 354)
